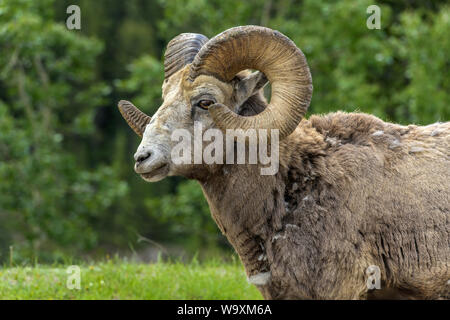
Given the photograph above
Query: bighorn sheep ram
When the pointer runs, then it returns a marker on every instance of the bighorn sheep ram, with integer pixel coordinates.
(352, 192)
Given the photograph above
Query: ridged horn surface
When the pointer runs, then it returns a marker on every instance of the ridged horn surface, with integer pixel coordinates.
(274, 54)
(182, 50)
(135, 118)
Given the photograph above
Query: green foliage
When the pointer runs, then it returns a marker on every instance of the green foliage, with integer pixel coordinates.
(147, 75)
(48, 195)
(67, 185)
(48, 211)
(422, 41)
(188, 215)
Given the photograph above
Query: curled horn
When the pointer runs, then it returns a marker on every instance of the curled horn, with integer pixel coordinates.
(274, 54)
(180, 51)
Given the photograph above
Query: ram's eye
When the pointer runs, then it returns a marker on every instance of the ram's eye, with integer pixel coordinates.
(204, 104)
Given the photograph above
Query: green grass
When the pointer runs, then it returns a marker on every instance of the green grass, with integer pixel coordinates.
(127, 280)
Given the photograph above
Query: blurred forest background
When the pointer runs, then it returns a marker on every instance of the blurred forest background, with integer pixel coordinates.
(67, 185)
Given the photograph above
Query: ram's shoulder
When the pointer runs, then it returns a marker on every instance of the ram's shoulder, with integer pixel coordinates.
(359, 133)
(349, 126)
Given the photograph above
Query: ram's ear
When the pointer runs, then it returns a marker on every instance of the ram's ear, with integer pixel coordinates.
(249, 85)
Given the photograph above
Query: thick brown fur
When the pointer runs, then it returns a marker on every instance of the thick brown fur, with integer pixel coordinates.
(352, 191)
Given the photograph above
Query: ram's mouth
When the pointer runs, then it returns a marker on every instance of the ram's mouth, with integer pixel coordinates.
(157, 173)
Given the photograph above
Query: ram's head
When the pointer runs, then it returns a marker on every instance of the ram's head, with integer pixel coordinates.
(209, 82)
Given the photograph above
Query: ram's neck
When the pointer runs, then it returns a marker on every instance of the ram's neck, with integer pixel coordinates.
(250, 208)
(247, 207)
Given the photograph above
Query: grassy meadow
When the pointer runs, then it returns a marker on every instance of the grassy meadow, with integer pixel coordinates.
(128, 280)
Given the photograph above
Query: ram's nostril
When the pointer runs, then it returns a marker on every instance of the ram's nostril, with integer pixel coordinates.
(142, 156)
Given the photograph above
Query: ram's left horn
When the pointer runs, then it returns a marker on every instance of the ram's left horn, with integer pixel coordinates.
(135, 118)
